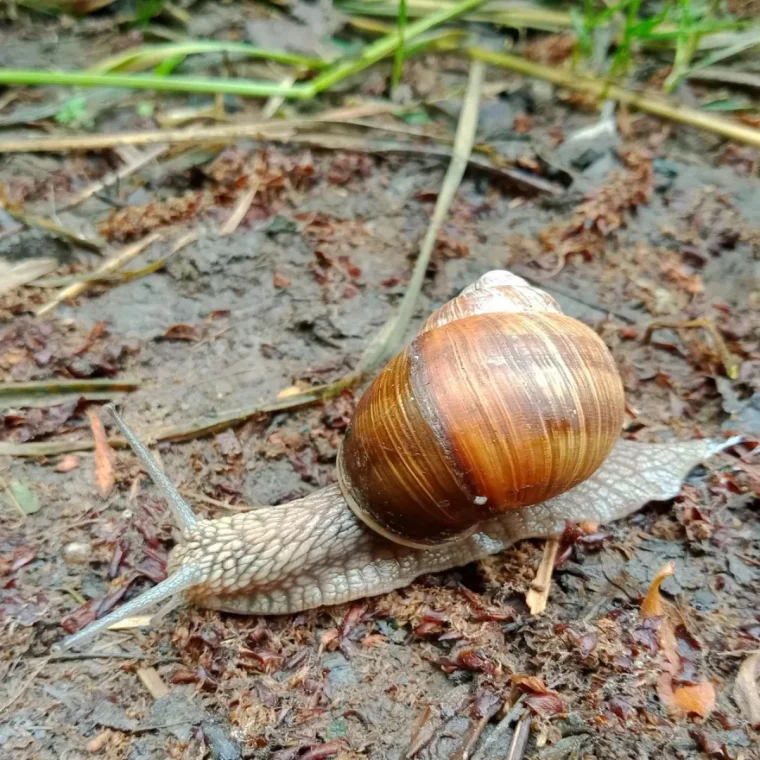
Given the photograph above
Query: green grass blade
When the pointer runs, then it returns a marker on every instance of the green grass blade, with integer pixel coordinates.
(398, 62)
(148, 56)
(245, 87)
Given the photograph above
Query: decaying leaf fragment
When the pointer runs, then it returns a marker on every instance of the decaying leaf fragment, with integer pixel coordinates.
(104, 472)
(698, 699)
(747, 689)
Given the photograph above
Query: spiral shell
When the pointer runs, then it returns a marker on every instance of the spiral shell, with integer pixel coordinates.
(500, 402)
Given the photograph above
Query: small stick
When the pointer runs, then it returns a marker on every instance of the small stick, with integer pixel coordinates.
(730, 366)
(538, 595)
(153, 682)
(54, 229)
(37, 388)
(387, 340)
(520, 738)
(111, 265)
(116, 176)
(237, 216)
(498, 736)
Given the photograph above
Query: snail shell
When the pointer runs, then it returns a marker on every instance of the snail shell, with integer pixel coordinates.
(500, 402)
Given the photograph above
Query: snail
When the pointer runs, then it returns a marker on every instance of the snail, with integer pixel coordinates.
(500, 421)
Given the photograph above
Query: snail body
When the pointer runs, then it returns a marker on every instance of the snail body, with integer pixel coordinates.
(500, 421)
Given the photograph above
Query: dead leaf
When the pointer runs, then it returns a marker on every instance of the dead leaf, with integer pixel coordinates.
(186, 332)
(104, 473)
(153, 682)
(747, 689)
(539, 698)
(698, 699)
(653, 605)
(280, 280)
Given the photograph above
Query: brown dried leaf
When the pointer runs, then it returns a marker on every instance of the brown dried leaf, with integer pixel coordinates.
(104, 472)
(698, 699)
(546, 704)
(184, 332)
(529, 684)
(540, 699)
(747, 689)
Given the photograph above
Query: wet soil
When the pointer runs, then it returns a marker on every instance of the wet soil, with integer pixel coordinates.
(292, 296)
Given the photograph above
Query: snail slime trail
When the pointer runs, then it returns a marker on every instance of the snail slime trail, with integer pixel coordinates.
(418, 490)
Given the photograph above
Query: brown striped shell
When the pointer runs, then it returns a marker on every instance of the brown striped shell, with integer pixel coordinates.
(500, 402)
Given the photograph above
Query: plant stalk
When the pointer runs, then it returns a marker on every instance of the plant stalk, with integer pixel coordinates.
(603, 89)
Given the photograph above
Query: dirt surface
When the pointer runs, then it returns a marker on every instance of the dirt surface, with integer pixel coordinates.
(660, 224)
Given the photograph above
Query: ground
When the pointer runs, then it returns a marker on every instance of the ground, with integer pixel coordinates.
(659, 224)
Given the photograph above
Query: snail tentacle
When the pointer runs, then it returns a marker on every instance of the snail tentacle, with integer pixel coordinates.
(185, 578)
(183, 514)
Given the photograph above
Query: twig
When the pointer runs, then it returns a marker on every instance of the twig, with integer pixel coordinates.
(54, 229)
(602, 89)
(111, 265)
(726, 52)
(13, 276)
(207, 135)
(496, 740)
(48, 387)
(390, 337)
(520, 738)
(273, 105)
(729, 365)
(523, 179)
(116, 176)
(552, 288)
(153, 682)
(240, 210)
(196, 496)
(52, 448)
(107, 655)
(723, 75)
(538, 594)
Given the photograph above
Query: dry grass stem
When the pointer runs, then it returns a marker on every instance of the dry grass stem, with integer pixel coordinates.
(604, 90)
(538, 596)
(118, 260)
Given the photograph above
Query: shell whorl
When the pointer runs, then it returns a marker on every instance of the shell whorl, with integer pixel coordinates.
(500, 402)
(497, 292)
